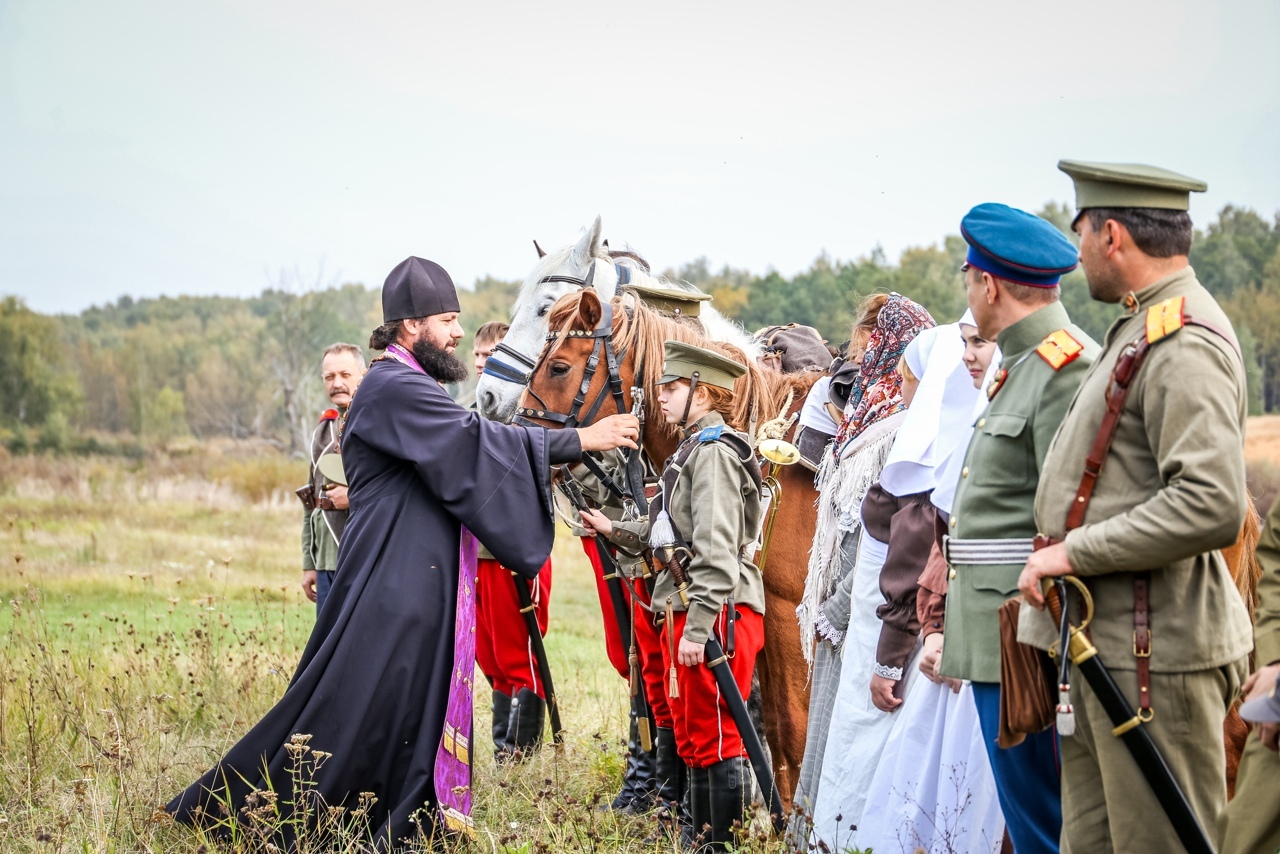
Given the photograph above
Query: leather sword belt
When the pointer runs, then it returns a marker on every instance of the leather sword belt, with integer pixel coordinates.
(988, 552)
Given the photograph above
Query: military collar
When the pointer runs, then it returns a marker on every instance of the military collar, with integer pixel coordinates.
(711, 419)
(1170, 286)
(1031, 330)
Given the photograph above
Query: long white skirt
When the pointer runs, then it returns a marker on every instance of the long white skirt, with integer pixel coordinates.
(859, 730)
(933, 789)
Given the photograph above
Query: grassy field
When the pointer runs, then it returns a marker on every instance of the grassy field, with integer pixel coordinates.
(152, 615)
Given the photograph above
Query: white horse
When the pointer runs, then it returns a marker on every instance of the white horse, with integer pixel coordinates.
(556, 274)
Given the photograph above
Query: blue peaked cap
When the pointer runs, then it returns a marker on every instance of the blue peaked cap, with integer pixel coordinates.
(1012, 244)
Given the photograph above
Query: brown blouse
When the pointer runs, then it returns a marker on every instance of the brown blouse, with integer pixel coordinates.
(931, 601)
(906, 523)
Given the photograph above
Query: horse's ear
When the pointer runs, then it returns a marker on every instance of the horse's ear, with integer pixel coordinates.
(605, 244)
(588, 246)
(589, 309)
(542, 253)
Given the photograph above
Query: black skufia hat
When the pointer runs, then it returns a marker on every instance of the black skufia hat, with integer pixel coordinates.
(417, 288)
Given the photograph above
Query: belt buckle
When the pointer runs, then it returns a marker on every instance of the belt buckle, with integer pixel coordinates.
(1136, 653)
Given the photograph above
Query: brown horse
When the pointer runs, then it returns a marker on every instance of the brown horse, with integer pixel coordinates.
(638, 334)
(1242, 560)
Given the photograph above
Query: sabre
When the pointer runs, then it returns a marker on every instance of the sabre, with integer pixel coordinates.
(1128, 725)
(540, 657)
(718, 663)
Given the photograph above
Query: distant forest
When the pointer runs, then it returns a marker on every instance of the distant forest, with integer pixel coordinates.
(138, 374)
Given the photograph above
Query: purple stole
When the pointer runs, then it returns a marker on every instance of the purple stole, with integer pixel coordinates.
(453, 756)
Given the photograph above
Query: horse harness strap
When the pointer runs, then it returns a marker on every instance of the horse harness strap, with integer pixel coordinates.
(1163, 320)
(500, 369)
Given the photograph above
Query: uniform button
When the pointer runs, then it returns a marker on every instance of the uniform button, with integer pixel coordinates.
(952, 576)
(954, 519)
(981, 422)
(964, 472)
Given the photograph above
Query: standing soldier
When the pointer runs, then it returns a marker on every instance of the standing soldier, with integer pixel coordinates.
(1145, 535)
(711, 499)
(1014, 264)
(325, 502)
(1251, 821)
(504, 651)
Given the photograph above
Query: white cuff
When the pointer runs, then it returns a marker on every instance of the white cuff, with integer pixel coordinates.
(894, 673)
(827, 631)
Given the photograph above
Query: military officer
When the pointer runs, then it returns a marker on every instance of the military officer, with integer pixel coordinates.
(713, 504)
(1014, 265)
(1251, 821)
(325, 515)
(1169, 621)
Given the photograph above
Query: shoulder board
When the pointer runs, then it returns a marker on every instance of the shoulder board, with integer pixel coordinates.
(710, 434)
(1059, 349)
(1165, 318)
(329, 415)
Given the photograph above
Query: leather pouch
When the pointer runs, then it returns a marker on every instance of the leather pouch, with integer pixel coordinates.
(1027, 703)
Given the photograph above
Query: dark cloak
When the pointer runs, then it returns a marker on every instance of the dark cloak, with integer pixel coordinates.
(373, 682)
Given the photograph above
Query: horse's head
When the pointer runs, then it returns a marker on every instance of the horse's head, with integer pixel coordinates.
(570, 384)
(585, 264)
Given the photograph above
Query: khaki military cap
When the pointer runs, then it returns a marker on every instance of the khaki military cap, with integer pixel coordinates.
(674, 301)
(682, 360)
(330, 466)
(1130, 185)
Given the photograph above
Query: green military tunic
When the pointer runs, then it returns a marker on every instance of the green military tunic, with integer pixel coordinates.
(721, 519)
(1171, 494)
(1251, 822)
(998, 483)
(321, 529)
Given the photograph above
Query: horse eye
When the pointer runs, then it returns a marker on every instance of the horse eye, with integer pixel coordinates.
(543, 309)
(559, 369)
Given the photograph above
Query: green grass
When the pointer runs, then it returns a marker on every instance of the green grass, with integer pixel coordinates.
(139, 639)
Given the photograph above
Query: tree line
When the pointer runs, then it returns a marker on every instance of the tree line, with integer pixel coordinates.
(136, 374)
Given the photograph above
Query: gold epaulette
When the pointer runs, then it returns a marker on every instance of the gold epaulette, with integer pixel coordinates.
(1165, 318)
(1059, 349)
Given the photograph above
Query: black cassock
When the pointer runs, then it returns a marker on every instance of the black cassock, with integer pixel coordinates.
(373, 682)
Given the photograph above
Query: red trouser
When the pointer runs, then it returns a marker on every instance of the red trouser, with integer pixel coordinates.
(503, 650)
(648, 641)
(705, 730)
(615, 645)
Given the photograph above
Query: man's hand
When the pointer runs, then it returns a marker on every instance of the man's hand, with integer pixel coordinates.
(690, 653)
(338, 495)
(1047, 563)
(1260, 684)
(616, 431)
(882, 693)
(309, 583)
(931, 663)
(594, 520)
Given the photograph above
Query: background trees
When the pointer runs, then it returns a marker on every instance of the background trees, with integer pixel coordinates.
(158, 370)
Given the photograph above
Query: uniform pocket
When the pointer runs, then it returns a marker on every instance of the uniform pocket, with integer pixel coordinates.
(1004, 456)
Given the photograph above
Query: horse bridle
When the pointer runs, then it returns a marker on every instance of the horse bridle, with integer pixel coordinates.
(510, 371)
(602, 348)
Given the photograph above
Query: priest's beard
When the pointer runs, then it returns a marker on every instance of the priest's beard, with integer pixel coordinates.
(438, 362)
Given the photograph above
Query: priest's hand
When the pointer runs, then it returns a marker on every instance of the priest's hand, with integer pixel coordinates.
(1047, 563)
(594, 520)
(690, 653)
(616, 431)
(882, 693)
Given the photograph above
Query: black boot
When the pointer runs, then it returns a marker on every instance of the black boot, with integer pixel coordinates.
(670, 785)
(639, 781)
(718, 798)
(501, 722)
(524, 729)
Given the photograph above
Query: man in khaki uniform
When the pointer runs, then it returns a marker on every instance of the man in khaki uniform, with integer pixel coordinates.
(1014, 264)
(1170, 495)
(1251, 821)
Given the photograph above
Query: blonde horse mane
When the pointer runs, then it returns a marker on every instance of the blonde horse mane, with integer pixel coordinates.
(758, 394)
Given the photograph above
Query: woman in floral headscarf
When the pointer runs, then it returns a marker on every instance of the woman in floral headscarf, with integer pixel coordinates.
(886, 325)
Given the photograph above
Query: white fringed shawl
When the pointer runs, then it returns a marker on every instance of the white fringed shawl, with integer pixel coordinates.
(841, 484)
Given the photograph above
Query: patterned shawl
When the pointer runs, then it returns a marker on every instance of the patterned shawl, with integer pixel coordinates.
(878, 392)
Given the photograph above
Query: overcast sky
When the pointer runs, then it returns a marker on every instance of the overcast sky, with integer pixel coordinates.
(174, 147)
